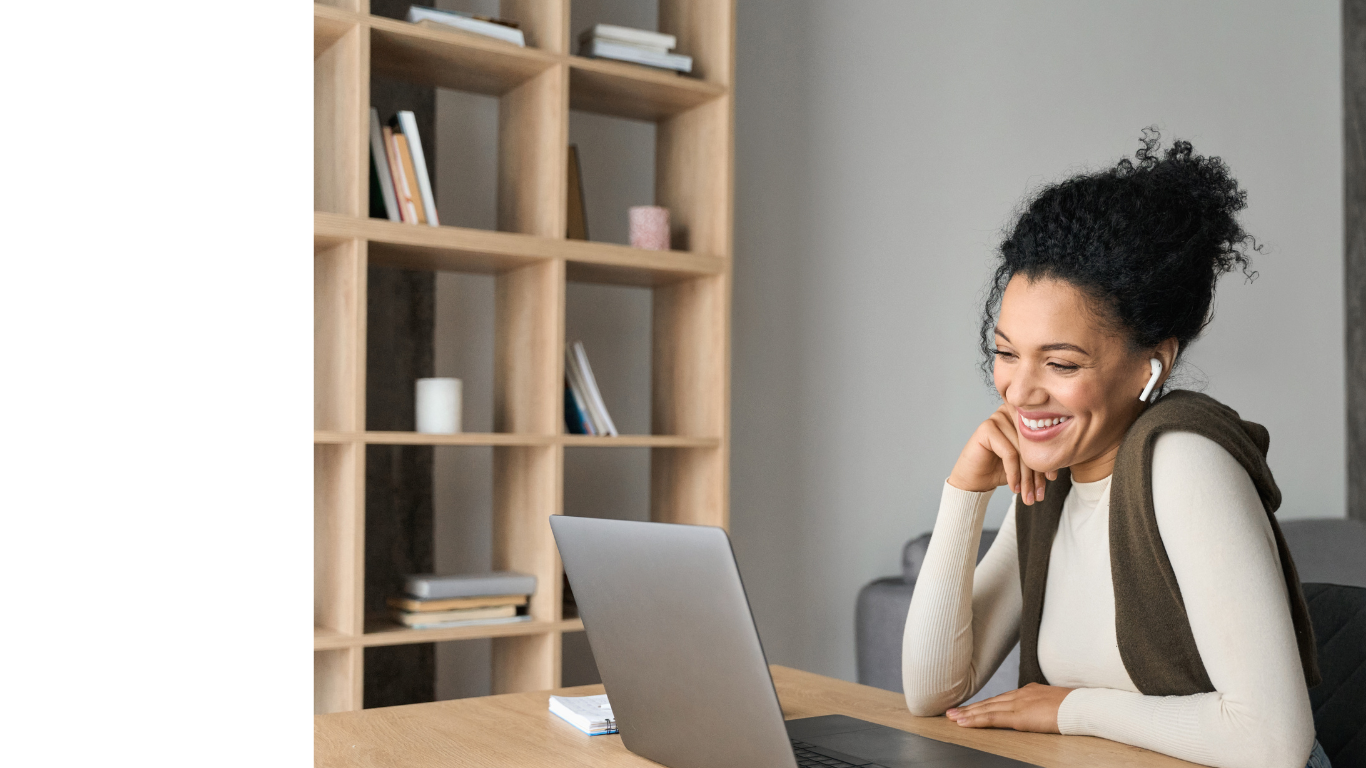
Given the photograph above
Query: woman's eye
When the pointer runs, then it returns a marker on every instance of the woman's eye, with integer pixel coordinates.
(1064, 367)
(1003, 354)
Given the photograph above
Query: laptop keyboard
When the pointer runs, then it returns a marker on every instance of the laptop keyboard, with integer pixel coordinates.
(806, 758)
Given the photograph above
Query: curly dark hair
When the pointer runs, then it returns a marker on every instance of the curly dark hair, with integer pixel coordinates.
(1145, 241)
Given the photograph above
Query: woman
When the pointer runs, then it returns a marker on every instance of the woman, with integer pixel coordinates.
(1173, 617)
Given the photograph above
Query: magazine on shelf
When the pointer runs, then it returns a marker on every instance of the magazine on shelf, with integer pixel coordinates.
(467, 22)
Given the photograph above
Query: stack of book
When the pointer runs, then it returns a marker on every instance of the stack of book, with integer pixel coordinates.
(590, 714)
(584, 411)
(434, 601)
(637, 46)
(498, 29)
(399, 185)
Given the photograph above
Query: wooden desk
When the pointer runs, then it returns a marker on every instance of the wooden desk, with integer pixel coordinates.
(517, 730)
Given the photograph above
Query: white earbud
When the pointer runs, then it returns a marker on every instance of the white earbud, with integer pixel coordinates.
(1152, 382)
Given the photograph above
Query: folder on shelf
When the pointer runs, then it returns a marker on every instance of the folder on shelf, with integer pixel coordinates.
(597, 409)
(576, 220)
(406, 122)
(431, 586)
(436, 618)
(382, 180)
(405, 159)
(402, 190)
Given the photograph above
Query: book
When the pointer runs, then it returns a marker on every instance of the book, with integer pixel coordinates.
(376, 209)
(431, 586)
(594, 394)
(634, 54)
(579, 385)
(590, 714)
(402, 192)
(379, 163)
(638, 37)
(406, 603)
(498, 30)
(575, 415)
(406, 121)
(405, 158)
(429, 618)
(576, 220)
(468, 623)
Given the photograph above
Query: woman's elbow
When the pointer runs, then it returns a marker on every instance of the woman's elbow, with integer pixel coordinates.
(924, 704)
(923, 698)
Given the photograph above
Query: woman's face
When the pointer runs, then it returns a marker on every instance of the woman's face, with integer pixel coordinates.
(1070, 384)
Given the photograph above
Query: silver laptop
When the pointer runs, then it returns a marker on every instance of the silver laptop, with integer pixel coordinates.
(679, 655)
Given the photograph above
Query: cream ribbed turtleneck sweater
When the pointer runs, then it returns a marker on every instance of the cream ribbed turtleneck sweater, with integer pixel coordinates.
(963, 621)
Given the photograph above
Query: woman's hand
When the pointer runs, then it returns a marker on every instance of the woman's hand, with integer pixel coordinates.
(992, 459)
(1031, 708)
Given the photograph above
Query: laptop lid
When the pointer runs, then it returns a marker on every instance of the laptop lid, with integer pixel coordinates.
(675, 642)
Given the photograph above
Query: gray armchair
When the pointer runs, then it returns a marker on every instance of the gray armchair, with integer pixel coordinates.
(1330, 551)
(880, 619)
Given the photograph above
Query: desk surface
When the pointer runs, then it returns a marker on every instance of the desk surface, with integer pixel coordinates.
(517, 730)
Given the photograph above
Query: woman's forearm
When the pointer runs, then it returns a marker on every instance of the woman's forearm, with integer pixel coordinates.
(963, 620)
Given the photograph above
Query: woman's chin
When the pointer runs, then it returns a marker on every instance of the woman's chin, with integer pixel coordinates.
(1046, 463)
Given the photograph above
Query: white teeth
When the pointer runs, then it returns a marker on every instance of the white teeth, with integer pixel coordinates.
(1044, 423)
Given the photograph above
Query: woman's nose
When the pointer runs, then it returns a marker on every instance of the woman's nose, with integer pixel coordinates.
(1023, 389)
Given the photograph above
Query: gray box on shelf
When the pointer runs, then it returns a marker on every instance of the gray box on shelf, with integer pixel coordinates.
(431, 586)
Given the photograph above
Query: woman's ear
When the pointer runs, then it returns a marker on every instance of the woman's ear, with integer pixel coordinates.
(1165, 353)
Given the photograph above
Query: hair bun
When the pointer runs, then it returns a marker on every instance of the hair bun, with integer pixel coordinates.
(1146, 239)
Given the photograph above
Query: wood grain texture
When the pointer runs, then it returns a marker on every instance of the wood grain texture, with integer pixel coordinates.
(545, 23)
(1354, 262)
(706, 32)
(528, 337)
(533, 132)
(690, 397)
(339, 91)
(336, 530)
(526, 492)
(458, 249)
(380, 632)
(330, 25)
(518, 730)
(452, 58)
(626, 90)
(463, 438)
(693, 161)
(528, 481)
(338, 681)
(354, 6)
(337, 339)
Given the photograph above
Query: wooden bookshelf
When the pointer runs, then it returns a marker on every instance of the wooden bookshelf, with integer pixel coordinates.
(532, 261)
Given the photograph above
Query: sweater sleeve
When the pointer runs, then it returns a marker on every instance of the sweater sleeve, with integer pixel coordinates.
(963, 620)
(1221, 547)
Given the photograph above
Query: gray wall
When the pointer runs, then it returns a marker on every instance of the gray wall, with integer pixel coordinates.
(880, 149)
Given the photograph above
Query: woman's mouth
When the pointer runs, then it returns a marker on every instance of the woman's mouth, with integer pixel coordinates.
(1044, 427)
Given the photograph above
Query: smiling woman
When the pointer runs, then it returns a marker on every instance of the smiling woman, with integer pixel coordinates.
(1174, 619)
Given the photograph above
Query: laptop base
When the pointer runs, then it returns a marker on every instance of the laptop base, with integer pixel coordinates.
(861, 743)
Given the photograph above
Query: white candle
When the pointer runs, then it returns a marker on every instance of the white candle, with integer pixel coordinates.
(438, 406)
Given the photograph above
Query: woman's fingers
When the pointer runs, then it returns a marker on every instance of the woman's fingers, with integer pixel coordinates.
(997, 712)
(1009, 456)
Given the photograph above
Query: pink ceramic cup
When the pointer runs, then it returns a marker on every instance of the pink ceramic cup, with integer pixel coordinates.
(650, 227)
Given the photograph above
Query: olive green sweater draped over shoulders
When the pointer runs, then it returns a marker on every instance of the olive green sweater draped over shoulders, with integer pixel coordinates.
(1151, 625)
